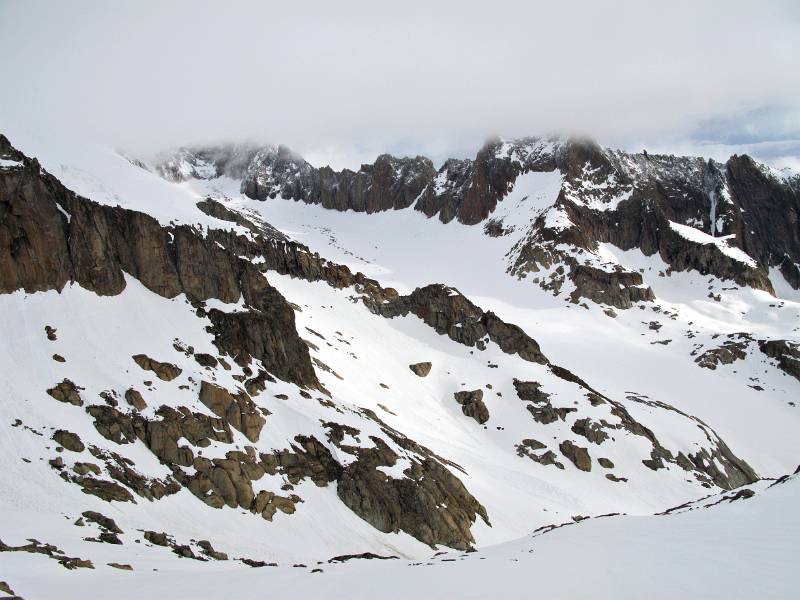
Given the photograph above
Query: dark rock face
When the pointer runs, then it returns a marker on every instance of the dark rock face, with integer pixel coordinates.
(729, 352)
(449, 312)
(767, 219)
(786, 353)
(68, 392)
(591, 430)
(70, 441)
(413, 504)
(607, 196)
(472, 405)
(164, 371)
(643, 195)
(577, 455)
(621, 289)
(268, 335)
(530, 391)
(735, 472)
(530, 447)
(237, 409)
(389, 183)
(735, 347)
(41, 249)
(135, 399)
(539, 402)
(469, 190)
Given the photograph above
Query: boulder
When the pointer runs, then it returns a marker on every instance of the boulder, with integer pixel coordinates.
(134, 398)
(163, 370)
(68, 392)
(472, 405)
(421, 369)
(70, 441)
(577, 455)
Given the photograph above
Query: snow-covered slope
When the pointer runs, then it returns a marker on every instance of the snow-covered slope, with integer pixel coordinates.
(276, 413)
(736, 545)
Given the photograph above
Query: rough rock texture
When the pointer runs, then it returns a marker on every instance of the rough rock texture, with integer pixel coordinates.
(629, 200)
(577, 455)
(703, 463)
(786, 353)
(135, 399)
(421, 369)
(591, 430)
(469, 190)
(607, 196)
(163, 370)
(530, 391)
(237, 409)
(70, 441)
(472, 405)
(414, 504)
(450, 313)
(735, 346)
(530, 447)
(68, 392)
(49, 237)
(388, 183)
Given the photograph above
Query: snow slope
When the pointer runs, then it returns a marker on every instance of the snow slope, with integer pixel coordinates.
(738, 549)
(641, 356)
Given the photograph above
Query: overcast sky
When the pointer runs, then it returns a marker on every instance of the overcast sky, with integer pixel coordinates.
(341, 81)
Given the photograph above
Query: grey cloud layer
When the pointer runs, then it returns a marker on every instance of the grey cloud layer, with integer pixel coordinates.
(316, 74)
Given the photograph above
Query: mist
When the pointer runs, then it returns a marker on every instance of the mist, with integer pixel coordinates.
(352, 79)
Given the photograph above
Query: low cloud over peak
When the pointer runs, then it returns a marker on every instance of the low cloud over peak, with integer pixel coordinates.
(433, 78)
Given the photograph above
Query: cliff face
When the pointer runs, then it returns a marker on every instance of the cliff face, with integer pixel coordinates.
(389, 183)
(748, 215)
(49, 236)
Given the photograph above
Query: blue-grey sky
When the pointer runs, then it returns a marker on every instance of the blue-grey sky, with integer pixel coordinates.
(343, 81)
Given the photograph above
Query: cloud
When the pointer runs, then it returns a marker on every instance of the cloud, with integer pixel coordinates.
(416, 76)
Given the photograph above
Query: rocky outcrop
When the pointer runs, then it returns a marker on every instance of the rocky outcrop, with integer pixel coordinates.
(469, 190)
(576, 454)
(786, 353)
(388, 183)
(591, 430)
(236, 409)
(67, 392)
(609, 196)
(49, 237)
(163, 370)
(134, 398)
(618, 288)
(539, 404)
(51, 551)
(530, 447)
(735, 346)
(450, 313)
(633, 201)
(530, 391)
(427, 502)
(70, 441)
(472, 405)
(725, 354)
